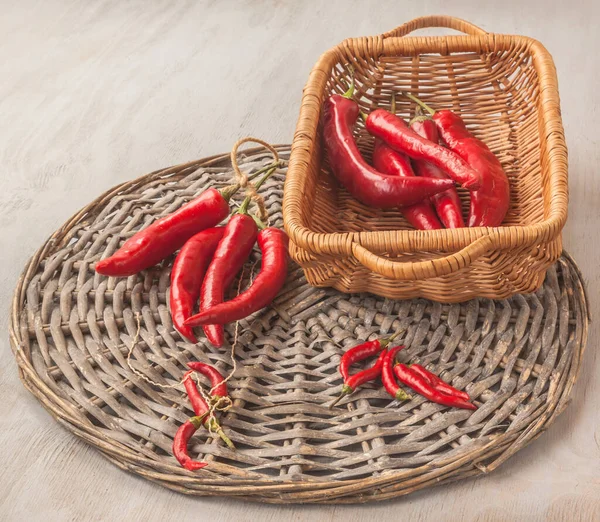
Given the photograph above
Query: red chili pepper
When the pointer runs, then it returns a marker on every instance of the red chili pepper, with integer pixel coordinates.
(364, 183)
(273, 243)
(359, 353)
(446, 203)
(201, 409)
(232, 252)
(187, 274)
(154, 243)
(217, 381)
(438, 383)
(421, 385)
(180, 443)
(387, 375)
(490, 202)
(394, 131)
(388, 161)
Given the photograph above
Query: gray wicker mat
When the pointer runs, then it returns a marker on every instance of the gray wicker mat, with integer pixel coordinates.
(72, 329)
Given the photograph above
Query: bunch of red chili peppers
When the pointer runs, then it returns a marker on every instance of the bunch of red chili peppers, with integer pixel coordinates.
(411, 169)
(413, 376)
(209, 260)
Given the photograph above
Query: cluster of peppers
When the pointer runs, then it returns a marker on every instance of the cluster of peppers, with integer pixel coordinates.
(414, 376)
(416, 165)
(209, 260)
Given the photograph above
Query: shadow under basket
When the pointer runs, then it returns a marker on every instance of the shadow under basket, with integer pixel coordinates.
(505, 88)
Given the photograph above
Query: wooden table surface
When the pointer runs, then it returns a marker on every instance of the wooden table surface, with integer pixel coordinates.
(95, 93)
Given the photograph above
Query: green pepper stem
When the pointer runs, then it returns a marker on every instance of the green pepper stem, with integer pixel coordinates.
(350, 92)
(246, 203)
(419, 103)
(346, 390)
(393, 104)
(387, 340)
(423, 117)
(229, 192)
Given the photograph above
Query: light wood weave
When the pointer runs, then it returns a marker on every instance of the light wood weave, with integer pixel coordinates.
(71, 330)
(505, 89)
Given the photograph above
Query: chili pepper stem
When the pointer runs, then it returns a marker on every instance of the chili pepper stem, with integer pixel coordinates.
(386, 341)
(419, 103)
(393, 104)
(422, 117)
(401, 395)
(245, 204)
(214, 425)
(346, 390)
(350, 92)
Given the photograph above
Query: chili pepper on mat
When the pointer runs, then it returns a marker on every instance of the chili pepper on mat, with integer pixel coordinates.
(490, 202)
(217, 381)
(359, 353)
(201, 409)
(273, 244)
(421, 385)
(180, 443)
(387, 375)
(439, 384)
(446, 203)
(187, 274)
(365, 183)
(395, 133)
(154, 243)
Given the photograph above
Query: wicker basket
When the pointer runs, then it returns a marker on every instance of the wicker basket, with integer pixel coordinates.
(505, 88)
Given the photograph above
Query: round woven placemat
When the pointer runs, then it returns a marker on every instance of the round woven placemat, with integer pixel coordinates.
(72, 329)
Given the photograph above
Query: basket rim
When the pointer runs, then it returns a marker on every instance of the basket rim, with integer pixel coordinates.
(404, 241)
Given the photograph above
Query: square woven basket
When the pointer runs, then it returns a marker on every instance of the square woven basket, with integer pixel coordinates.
(505, 88)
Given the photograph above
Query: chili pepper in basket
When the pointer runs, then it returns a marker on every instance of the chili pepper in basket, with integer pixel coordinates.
(154, 243)
(446, 203)
(187, 274)
(362, 181)
(359, 353)
(490, 202)
(395, 133)
(217, 381)
(422, 386)
(231, 254)
(180, 443)
(387, 375)
(388, 161)
(439, 384)
(273, 244)
(201, 409)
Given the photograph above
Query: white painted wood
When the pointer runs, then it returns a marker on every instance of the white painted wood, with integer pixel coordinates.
(94, 93)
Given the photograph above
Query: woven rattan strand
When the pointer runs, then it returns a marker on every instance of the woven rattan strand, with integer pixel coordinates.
(505, 88)
(71, 330)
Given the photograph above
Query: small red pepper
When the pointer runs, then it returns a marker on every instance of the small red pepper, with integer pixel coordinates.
(156, 242)
(180, 443)
(273, 243)
(187, 274)
(421, 385)
(362, 181)
(490, 202)
(232, 252)
(217, 381)
(439, 384)
(387, 375)
(394, 131)
(446, 203)
(201, 409)
(388, 161)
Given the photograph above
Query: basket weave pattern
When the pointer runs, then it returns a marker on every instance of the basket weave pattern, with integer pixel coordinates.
(505, 89)
(71, 331)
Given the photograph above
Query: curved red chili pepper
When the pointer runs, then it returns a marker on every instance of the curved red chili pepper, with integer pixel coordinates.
(439, 384)
(370, 374)
(232, 252)
(273, 243)
(154, 243)
(489, 204)
(388, 161)
(446, 203)
(394, 131)
(422, 387)
(364, 183)
(387, 375)
(217, 381)
(187, 274)
(180, 443)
